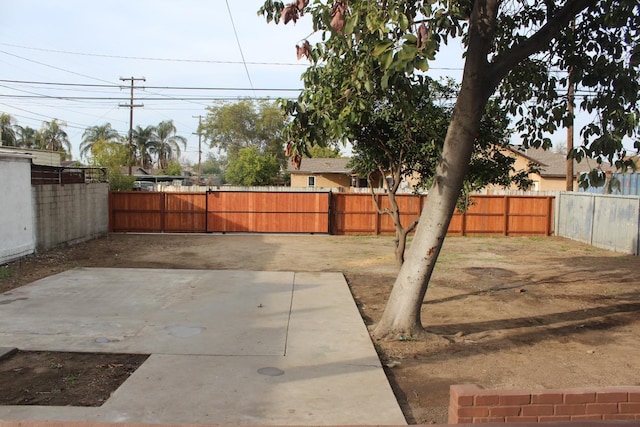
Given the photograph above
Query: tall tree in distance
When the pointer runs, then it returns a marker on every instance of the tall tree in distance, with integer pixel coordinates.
(54, 137)
(26, 136)
(232, 127)
(145, 142)
(513, 52)
(250, 167)
(7, 131)
(320, 152)
(97, 134)
(168, 143)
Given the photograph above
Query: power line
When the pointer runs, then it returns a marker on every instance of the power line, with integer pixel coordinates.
(150, 87)
(235, 32)
(122, 99)
(142, 58)
(53, 66)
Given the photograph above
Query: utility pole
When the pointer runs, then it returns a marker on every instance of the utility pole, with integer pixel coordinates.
(199, 133)
(131, 106)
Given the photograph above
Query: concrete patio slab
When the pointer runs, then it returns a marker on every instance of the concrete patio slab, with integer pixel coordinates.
(227, 347)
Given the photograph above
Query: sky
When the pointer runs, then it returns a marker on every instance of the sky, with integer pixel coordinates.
(216, 49)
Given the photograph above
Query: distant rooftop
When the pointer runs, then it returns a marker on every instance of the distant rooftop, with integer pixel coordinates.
(554, 165)
(322, 165)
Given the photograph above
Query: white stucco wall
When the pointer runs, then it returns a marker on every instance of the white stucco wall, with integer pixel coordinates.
(17, 226)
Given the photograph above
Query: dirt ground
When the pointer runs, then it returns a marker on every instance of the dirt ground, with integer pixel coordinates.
(509, 313)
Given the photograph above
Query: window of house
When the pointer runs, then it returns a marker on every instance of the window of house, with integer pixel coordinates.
(311, 181)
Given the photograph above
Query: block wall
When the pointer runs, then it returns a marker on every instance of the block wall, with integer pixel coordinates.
(70, 213)
(472, 404)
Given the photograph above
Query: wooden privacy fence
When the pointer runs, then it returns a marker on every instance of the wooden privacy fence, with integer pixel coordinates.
(319, 212)
(221, 211)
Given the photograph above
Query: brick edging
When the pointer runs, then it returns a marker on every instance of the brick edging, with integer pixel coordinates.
(472, 404)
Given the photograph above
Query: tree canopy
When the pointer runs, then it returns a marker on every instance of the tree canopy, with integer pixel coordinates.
(517, 52)
(231, 127)
(250, 167)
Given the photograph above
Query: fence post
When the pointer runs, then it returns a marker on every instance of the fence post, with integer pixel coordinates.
(377, 217)
(163, 210)
(330, 210)
(547, 230)
(506, 216)
(110, 207)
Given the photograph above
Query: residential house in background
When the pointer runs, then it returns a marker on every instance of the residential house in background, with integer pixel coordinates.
(552, 168)
(327, 173)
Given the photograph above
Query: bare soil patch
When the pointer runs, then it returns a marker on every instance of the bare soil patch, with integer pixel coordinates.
(61, 379)
(510, 313)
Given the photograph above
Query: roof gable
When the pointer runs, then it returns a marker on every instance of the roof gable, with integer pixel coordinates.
(553, 164)
(323, 165)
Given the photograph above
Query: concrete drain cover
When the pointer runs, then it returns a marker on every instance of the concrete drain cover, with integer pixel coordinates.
(184, 331)
(270, 371)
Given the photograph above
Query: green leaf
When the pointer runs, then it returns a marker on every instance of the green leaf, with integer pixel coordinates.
(403, 22)
(384, 83)
(422, 64)
(382, 46)
(367, 86)
(386, 59)
(352, 22)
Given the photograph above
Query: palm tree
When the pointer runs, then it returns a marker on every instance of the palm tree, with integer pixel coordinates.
(168, 143)
(7, 131)
(26, 136)
(54, 137)
(95, 135)
(145, 142)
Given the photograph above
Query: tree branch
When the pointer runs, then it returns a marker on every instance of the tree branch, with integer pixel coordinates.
(374, 198)
(538, 41)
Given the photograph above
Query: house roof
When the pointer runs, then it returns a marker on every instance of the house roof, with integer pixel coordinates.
(552, 164)
(321, 165)
(136, 170)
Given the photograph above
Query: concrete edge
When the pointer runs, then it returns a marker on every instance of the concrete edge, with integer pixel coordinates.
(7, 351)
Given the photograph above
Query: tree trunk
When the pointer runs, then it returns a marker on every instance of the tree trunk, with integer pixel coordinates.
(401, 316)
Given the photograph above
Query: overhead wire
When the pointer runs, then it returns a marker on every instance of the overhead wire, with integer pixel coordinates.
(143, 58)
(235, 32)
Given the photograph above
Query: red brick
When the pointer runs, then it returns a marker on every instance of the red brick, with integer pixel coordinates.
(629, 407)
(515, 398)
(611, 397)
(505, 411)
(486, 399)
(488, 420)
(571, 409)
(585, 417)
(463, 393)
(580, 397)
(634, 396)
(537, 410)
(602, 408)
(619, 417)
(465, 420)
(554, 418)
(473, 411)
(546, 398)
(521, 419)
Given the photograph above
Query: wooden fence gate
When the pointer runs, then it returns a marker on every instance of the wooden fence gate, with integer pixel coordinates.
(316, 212)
